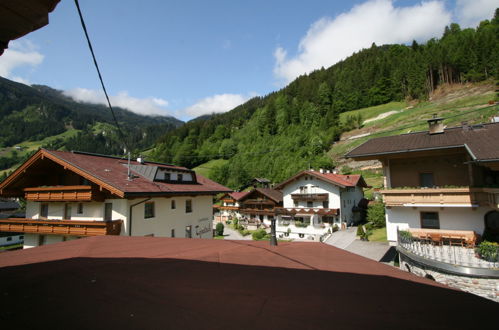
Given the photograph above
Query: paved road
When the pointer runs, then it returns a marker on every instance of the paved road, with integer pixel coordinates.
(347, 240)
(230, 233)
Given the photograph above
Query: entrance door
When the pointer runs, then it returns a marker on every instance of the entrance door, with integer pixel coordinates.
(492, 226)
(188, 231)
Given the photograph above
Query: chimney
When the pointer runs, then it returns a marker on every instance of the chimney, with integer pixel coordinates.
(321, 170)
(335, 171)
(140, 160)
(435, 125)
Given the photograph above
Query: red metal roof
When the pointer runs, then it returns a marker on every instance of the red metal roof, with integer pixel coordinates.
(112, 172)
(237, 195)
(174, 283)
(341, 180)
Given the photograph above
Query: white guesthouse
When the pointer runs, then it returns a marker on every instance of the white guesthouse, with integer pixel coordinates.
(71, 195)
(315, 201)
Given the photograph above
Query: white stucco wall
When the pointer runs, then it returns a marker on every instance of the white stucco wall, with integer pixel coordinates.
(321, 187)
(455, 218)
(166, 219)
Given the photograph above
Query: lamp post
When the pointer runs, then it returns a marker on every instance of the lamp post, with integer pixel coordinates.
(273, 239)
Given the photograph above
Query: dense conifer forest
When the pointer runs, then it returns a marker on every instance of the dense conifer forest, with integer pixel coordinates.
(286, 131)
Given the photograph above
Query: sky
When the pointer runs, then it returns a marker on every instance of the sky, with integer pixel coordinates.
(189, 58)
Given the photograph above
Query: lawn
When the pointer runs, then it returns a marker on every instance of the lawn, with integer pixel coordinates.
(205, 169)
(378, 235)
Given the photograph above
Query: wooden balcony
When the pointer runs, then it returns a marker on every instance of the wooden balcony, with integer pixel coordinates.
(61, 227)
(63, 194)
(310, 197)
(457, 197)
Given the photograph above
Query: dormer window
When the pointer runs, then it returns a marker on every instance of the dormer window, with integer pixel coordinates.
(167, 176)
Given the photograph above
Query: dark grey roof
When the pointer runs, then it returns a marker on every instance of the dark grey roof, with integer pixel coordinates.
(481, 142)
(147, 171)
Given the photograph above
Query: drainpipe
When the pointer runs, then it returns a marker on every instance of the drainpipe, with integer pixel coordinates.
(130, 215)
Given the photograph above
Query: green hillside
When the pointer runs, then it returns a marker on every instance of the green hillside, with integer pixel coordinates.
(39, 116)
(303, 124)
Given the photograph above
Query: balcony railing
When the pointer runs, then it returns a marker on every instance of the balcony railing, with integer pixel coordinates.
(310, 197)
(62, 227)
(466, 197)
(63, 194)
(456, 251)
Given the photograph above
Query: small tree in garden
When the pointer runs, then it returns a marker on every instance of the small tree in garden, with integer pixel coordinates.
(219, 229)
(376, 215)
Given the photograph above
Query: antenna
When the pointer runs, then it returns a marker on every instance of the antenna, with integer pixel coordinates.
(129, 173)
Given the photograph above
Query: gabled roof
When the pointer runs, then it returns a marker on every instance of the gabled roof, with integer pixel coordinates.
(178, 283)
(341, 180)
(480, 141)
(237, 195)
(273, 194)
(111, 174)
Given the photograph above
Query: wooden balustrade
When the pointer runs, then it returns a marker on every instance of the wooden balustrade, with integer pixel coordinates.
(62, 227)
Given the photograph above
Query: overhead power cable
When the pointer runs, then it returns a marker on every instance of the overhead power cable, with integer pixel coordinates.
(122, 136)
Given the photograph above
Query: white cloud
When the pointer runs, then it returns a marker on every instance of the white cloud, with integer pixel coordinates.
(216, 104)
(145, 106)
(19, 54)
(330, 40)
(470, 12)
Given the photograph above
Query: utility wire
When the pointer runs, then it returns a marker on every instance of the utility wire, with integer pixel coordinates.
(122, 136)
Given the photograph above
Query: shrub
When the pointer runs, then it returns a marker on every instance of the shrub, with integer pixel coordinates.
(360, 231)
(488, 251)
(336, 228)
(376, 215)
(300, 224)
(219, 229)
(244, 232)
(405, 235)
(228, 222)
(236, 221)
(259, 234)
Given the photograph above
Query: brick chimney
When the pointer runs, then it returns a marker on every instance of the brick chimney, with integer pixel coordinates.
(435, 125)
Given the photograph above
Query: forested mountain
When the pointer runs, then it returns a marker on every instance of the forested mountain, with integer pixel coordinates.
(36, 112)
(289, 130)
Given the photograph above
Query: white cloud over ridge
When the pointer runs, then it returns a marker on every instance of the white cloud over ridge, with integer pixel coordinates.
(19, 54)
(146, 106)
(470, 12)
(216, 104)
(328, 40)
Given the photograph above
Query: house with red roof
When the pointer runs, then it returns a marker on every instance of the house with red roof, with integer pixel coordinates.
(316, 201)
(229, 207)
(73, 194)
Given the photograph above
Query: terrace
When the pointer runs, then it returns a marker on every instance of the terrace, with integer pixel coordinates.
(451, 250)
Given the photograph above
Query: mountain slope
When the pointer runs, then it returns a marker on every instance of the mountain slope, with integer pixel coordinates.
(39, 116)
(293, 129)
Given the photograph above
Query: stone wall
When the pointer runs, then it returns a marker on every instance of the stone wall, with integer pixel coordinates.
(483, 287)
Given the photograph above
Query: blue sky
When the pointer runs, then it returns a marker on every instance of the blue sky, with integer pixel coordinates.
(188, 58)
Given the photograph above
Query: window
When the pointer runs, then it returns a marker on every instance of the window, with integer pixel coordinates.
(325, 204)
(108, 211)
(310, 204)
(426, 180)
(149, 210)
(180, 177)
(80, 208)
(295, 203)
(167, 177)
(44, 210)
(174, 205)
(67, 211)
(430, 220)
(9, 238)
(173, 232)
(188, 206)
